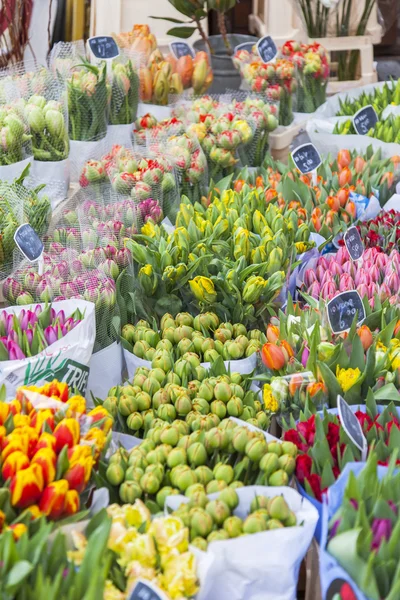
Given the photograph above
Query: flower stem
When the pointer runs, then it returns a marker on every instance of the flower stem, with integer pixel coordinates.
(224, 33)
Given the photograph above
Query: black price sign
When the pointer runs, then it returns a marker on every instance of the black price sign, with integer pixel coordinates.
(342, 310)
(145, 590)
(364, 119)
(351, 425)
(267, 49)
(103, 47)
(354, 243)
(245, 46)
(179, 49)
(29, 242)
(306, 158)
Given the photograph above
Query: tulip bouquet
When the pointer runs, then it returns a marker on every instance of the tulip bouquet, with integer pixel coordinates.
(376, 276)
(171, 461)
(276, 81)
(325, 448)
(32, 331)
(48, 127)
(213, 520)
(188, 392)
(88, 93)
(41, 567)
(312, 62)
(139, 39)
(162, 75)
(204, 336)
(19, 204)
(255, 244)
(124, 94)
(154, 550)
(363, 527)
(387, 130)
(49, 452)
(381, 232)
(379, 98)
(15, 138)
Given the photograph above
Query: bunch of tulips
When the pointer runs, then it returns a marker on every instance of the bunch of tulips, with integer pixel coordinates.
(379, 98)
(381, 232)
(387, 130)
(47, 453)
(48, 127)
(31, 331)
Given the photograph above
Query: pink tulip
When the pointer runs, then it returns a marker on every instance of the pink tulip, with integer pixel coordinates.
(322, 261)
(393, 282)
(14, 351)
(372, 290)
(342, 255)
(309, 277)
(381, 260)
(362, 289)
(335, 268)
(374, 274)
(314, 290)
(326, 278)
(385, 291)
(346, 283)
(361, 277)
(328, 291)
(320, 271)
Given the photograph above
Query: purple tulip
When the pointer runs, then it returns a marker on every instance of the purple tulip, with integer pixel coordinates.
(393, 507)
(68, 289)
(61, 270)
(309, 277)
(29, 336)
(14, 351)
(11, 289)
(123, 258)
(50, 333)
(304, 356)
(381, 530)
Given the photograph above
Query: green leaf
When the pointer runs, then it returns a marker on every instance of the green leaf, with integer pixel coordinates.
(388, 392)
(17, 575)
(182, 32)
(170, 19)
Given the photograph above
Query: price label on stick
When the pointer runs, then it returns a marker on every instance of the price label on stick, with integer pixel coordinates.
(352, 426)
(267, 49)
(103, 47)
(354, 243)
(245, 46)
(365, 119)
(145, 590)
(179, 49)
(306, 158)
(29, 242)
(343, 308)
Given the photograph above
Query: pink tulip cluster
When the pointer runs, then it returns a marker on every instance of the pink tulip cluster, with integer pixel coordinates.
(28, 333)
(375, 273)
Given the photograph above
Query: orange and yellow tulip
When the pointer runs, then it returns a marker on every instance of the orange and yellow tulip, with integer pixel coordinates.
(17, 461)
(273, 357)
(53, 500)
(47, 459)
(66, 433)
(27, 486)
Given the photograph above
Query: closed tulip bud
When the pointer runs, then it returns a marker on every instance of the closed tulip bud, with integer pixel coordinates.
(289, 448)
(218, 511)
(115, 474)
(278, 508)
(273, 357)
(278, 478)
(36, 119)
(203, 289)
(287, 463)
(254, 523)
(53, 500)
(130, 491)
(325, 351)
(365, 335)
(269, 463)
(55, 123)
(255, 449)
(26, 486)
(66, 433)
(201, 522)
(17, 461)
(253, 289)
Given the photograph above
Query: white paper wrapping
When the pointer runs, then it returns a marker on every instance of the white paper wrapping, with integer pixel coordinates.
(11, 172)
(243, 366)
(105, 371)
(261, 566)
(66, 360)
(81, 152)
(159, 112)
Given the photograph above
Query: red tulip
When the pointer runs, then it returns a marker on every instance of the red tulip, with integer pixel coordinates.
(27, 486)
(53, 500)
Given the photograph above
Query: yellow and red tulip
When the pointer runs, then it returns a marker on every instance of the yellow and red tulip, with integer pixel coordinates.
(47, 459)
(80, 467)
(53, 500)
(72, 503)
(17, 461)
(66, 433)
(39, 418)
(27, 486)
(98, 414)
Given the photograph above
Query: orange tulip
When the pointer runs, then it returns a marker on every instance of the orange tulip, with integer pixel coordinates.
(53, 500)
(395, 159)
(184, 68)
(365, 335)
(343, 158)
(314, 388)
(66, 433)
(294, 204)
(17, 461)
(287, 349)
(145, 84)
(47, 459)
(359, 164)
(351, 209)
(260, 182)
(388, 177)
(270, 195)
(273, 357)
(72, 503)
(345, 176)
(272, 333)
(316, 221)
(343, 195)
(27, 486)
(80, 467)
(333, 203)
(330, 218)
(239, 183)
(397, 328)
(172, 61)
(295, 383)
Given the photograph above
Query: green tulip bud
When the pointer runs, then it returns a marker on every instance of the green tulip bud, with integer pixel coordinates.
(275, 447)
(235, 407)
(204, 474)
(134, 474)
(149, 483)
(185, 479)
(197, 454)
(259, 502)
(229, 496)
(166, 412)
(129, 492)
(200, 405)
(241, 436)
(135, 421)
(115, 474)
(184, 319)
(167, 320)
(169, 435)
(255, 449)
(215, 486)
(289, 448)
(219, 511)
(254, 524)
(233, 526)
(206, 391)
(200, 373)
(236, 484)
(223, 473)
(200, 543)
(177, 456)
(163, 494)
(223, 392)
(291, 521)
(274, 524)
(198, 498)
(269, 463)
(278, 478)
(217, 536)
(168, 335)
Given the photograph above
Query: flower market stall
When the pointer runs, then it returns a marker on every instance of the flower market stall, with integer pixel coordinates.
(199, 343)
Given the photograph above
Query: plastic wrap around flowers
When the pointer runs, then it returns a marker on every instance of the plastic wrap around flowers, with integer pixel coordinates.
(50, 446)
(32, 331)
(15, 139)
(376, 274)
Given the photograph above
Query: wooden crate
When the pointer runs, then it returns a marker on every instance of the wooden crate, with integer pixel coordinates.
(366, 72)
